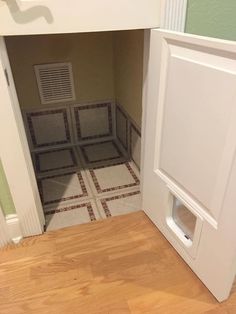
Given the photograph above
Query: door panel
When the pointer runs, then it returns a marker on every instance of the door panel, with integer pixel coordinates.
(189, 155)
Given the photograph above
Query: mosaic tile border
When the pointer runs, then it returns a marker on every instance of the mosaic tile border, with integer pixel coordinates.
(76, 206)
(120, 155)
(89, 107)
(30, 115)
(81, 182)
(125, 146)
(133, 127)
(112, 198)
(37, 160)
(100, 190)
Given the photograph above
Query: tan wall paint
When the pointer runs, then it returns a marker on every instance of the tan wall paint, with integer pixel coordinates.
(91, 56)
(128, 51)
(99, 60)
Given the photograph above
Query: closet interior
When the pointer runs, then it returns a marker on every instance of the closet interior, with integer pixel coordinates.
(81, 101)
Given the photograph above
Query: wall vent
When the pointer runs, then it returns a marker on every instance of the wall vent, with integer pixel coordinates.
(55, 82)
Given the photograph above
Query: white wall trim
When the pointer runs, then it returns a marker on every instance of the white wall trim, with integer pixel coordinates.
(14, 229)
(10, 230)
(15, 155)
(4, 233)
(173, 15)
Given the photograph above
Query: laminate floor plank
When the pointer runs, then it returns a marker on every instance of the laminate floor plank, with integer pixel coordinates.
(121, 265)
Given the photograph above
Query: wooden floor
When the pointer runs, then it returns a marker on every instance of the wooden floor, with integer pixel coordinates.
(116, 266)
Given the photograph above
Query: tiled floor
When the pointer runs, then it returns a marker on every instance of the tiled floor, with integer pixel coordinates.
(82, 184)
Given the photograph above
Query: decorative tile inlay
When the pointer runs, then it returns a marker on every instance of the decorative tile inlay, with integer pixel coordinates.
(56, 159)
(120, 204)
(63, 187)
(75, 206)
(93, 121)
(49, 127)
(71, 215)
(99, 152)
(114, 177)
(135, 145)
(121, 127)
(74, 181)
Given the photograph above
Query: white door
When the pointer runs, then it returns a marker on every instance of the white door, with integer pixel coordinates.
(189, 163)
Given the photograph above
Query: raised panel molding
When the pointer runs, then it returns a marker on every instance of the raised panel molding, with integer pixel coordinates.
(173, 15)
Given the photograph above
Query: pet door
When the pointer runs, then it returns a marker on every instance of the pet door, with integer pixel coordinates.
(185, 223)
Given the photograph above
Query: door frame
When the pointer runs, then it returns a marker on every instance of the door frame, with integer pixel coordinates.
(15, 154)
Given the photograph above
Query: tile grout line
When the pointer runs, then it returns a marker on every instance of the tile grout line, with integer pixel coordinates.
(94, 197)
(78, 152)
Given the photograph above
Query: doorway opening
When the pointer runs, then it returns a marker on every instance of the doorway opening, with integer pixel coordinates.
(81, 101)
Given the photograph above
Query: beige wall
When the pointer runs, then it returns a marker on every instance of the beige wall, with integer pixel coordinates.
(105, 66)
(91, 56)
(128, 55)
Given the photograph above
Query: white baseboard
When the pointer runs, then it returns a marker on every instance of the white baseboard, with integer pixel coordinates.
(4, 236)
(14, 229)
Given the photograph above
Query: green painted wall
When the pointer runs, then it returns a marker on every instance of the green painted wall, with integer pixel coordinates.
(213, 18)
(6, 201)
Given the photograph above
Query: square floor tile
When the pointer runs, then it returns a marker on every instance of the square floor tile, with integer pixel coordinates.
(57, 159)
(64, 187)
(49, 127)
(101, 153)
(92, 121)
(113, 178)
(119, 204)
(75, 214)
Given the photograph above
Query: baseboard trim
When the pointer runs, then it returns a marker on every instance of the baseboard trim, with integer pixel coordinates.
(14, 229)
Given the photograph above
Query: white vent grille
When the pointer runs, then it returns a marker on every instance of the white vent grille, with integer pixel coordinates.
(55, 82)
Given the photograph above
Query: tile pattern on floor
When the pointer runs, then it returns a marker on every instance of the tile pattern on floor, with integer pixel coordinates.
(104, 184)
(113, 178)
(47, 128)
(76, 214)
(92, 121)
(55, 160)
(100, 154)
(119, 204)
(62, 187)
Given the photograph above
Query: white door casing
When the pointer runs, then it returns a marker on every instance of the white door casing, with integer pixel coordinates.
(189, 149)
(15, 154)
(28, 211)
